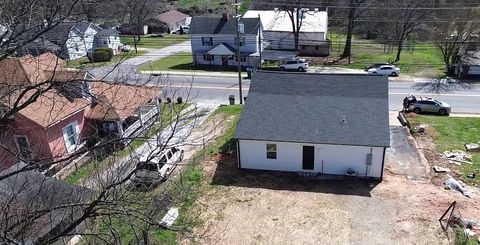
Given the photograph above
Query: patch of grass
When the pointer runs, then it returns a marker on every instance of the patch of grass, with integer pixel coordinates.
(81, 173)
(417, 58)
(155, 42)
(211, 4)
(84, 62)
(462, 239)
(178, 61)
(452, 134)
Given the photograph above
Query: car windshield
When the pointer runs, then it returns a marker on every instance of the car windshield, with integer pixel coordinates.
(438, 102)
(147, 166)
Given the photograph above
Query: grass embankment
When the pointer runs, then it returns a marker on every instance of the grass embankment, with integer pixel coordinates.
(417, 58)
(85, 63)
(452, 133)
(168, 115)
(183, 191)
(178, 61)
(155, 42)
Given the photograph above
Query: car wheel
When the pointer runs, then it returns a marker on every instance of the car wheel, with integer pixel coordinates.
(394, 74)
(301, 69)
(374, 72)
(282, 68)
(417, 110)
(442, 112)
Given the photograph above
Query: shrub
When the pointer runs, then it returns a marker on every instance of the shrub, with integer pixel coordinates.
(102, 55)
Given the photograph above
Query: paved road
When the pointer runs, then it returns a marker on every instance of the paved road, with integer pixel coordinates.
(464, 98)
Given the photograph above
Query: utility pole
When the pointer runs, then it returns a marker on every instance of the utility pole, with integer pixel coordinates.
(260, 45)
(237, 17)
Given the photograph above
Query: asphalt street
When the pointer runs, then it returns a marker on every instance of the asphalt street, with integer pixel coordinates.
(215, 90)
(464, 98)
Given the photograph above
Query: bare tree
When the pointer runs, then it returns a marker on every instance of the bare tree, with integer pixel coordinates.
(40, 210)
(401, 18)
(356, 9)
(456, 36)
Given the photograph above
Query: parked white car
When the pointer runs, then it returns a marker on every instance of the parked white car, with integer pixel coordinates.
(389, 70)
(155, 167)
(297, 65)
(177, 31)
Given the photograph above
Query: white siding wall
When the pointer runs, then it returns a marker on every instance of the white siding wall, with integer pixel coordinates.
(78, 46)
(251, 43)
(285, 40)
(112, 42)
(336, 158)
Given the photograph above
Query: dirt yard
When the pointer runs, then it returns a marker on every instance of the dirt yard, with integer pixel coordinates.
(262, 207)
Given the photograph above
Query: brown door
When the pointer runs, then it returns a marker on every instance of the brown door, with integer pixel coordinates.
(224, 60)
(308, 157)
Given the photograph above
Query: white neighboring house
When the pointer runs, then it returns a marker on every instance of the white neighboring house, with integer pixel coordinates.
(74, 38)
(107, 38)
(316, 123)
(214, 41)
(277, 31)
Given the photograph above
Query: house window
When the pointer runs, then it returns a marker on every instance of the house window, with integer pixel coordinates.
(23, 147)
(207, 41)
(242, 41)
(303, 47)
(316, 47)
(242, 58)
(271, 151)
(70, 136)
(208, 57)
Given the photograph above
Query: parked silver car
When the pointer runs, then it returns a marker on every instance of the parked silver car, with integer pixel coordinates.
(426, 104)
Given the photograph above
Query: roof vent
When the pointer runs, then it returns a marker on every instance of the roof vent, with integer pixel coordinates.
(275, 9)
(316, 9)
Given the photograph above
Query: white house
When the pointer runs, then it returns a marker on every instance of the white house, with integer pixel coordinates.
(277, 31)
(107, 38)
(315, 123)
(214, 41)
(74, 38)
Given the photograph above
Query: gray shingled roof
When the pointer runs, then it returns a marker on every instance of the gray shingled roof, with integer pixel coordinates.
(210, 25)
(343, 109)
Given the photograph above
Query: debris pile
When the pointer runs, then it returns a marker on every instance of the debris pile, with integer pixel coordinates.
(459, 186)
(457, 157)
(472, 147)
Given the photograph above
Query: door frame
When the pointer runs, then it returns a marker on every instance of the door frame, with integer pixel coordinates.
(308, 161)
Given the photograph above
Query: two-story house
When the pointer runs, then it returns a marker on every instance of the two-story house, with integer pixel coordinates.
(75, 39)
(214, 41)
(60, 111)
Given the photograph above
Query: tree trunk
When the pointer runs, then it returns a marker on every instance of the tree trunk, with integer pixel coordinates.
(347, 51)
(399, 51)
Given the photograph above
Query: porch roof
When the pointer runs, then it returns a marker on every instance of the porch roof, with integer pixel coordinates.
(222, 49)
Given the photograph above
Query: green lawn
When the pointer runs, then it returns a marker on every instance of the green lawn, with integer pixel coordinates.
(155, 42)
(418, 59)
(451, 134)
(84, 62)
(178, 61)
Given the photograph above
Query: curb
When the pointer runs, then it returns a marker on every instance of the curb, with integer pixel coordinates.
(199, 74)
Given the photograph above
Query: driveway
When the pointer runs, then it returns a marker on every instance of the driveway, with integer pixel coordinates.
(129, 66)
(404, 157)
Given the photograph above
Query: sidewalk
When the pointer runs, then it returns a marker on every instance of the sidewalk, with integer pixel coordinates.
(195, 73)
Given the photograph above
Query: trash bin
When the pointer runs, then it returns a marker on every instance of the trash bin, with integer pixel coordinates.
(231, 98)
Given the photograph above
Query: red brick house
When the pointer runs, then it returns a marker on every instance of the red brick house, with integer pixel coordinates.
(69, 108)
